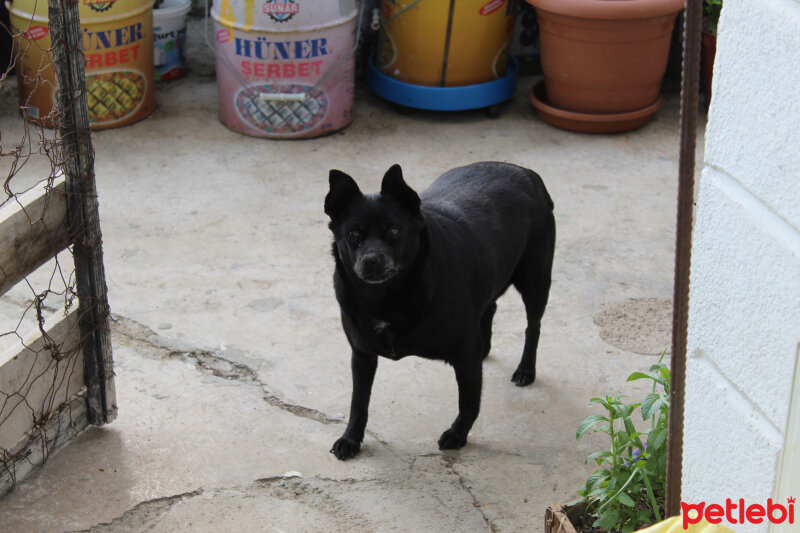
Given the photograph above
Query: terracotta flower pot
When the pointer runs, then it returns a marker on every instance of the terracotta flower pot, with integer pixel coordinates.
(604, 56)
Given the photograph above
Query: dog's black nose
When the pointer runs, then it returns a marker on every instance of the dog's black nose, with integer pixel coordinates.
(371, 260)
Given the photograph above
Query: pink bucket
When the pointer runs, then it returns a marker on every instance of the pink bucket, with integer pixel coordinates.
(285, 68)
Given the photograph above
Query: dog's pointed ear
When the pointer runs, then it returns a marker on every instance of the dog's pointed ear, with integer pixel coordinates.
(395, 187)
(343, 191)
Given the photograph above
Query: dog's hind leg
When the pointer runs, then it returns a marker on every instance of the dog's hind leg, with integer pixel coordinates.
(532, 279)
(486, 329)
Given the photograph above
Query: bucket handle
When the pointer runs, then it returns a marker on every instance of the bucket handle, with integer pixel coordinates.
(257, 100)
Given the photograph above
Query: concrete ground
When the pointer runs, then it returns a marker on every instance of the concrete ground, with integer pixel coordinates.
(232, 372)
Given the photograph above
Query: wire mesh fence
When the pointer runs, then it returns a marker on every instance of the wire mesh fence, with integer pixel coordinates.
(45, 327)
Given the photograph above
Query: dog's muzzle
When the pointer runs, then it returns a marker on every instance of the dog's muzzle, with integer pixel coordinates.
(375, 268)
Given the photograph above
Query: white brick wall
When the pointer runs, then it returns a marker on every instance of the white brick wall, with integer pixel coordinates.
(754, 125)
(744, 310)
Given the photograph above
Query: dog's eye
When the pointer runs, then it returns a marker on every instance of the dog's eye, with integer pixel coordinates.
(393, 232)
(353, 236)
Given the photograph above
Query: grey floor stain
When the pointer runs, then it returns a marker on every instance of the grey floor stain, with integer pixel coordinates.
(265, 305)
(639, 325)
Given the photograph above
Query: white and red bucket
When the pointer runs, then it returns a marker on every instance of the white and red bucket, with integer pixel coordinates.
(285, 68)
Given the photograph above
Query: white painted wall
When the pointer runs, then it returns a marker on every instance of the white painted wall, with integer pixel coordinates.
(744, 315)
(788, 482)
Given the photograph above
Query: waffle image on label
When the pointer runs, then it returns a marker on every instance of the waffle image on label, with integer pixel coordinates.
(254, 106)
(113, 96)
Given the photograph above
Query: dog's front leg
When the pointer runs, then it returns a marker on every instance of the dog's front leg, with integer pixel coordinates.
(469, 377)
(363, 367)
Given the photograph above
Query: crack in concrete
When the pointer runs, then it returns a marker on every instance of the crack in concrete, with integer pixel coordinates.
(147, 510)
(351, 480)
(313, 492)
(215, 365)
(450, 463)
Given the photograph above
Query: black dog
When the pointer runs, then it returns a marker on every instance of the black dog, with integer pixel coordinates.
(420, 274)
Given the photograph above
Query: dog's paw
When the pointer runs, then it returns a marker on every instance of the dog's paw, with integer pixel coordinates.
(450, 440)
(522, 378)
(345, 448)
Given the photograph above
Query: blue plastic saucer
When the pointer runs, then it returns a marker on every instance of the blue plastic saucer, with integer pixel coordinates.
(443, 98)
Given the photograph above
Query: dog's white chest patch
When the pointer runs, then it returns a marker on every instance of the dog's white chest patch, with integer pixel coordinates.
(380, 326)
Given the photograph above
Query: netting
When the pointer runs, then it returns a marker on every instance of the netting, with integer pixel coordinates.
(41, 364)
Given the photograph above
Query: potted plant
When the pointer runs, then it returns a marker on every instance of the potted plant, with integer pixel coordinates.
(627, 490)
(711, 11)
(603, 61)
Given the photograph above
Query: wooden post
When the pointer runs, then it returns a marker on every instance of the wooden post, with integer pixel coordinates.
(690, 81)
(84, 220)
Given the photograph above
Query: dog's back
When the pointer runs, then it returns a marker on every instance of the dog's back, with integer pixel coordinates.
(492, 212)
(488, 183)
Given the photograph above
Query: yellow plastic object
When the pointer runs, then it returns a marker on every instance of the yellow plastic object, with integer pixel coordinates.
(117, 46)
(445, 43)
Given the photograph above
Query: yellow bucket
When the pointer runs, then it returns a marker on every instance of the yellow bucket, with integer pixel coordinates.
(445, 43)
(117, 45)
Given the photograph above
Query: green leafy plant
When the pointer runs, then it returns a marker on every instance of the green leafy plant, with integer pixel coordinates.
(711, 11)
(628, 489)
